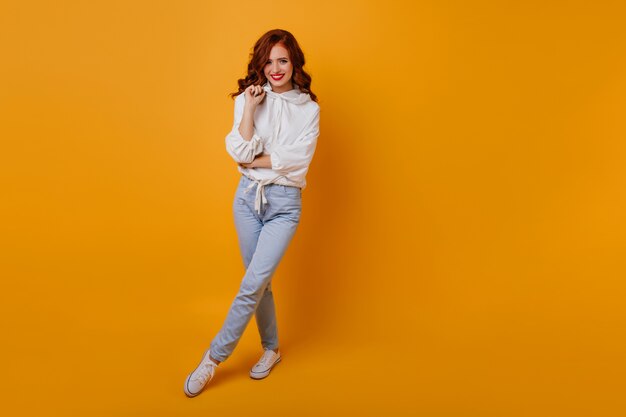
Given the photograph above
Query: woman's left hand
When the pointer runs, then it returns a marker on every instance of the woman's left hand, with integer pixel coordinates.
(247, 165)
(261, 161)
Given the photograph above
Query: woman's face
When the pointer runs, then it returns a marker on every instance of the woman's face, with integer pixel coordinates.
(278, 69)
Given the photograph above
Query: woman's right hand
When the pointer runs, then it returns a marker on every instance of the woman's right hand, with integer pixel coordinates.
(254, 95)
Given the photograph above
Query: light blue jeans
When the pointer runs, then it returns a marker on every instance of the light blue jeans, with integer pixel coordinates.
(263, 240)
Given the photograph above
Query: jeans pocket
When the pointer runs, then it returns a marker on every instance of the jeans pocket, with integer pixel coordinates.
(240, 195)
(292, 192)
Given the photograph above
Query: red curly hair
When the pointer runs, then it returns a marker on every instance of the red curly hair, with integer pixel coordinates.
(261, 54)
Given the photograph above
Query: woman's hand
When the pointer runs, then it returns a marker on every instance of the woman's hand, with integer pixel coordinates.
(248, 165)
(261, 161)
(254, 95)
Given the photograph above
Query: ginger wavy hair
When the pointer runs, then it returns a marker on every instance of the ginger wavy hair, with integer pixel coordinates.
(261, 54)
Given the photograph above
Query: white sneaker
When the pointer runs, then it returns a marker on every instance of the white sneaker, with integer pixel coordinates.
(197, 380)
(263, 367)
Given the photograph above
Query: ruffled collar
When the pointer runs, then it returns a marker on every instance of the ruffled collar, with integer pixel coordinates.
(294, 95)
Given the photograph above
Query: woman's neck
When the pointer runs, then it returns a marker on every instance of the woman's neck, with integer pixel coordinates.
(283, 89)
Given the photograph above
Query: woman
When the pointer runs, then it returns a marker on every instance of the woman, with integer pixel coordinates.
(273, 139)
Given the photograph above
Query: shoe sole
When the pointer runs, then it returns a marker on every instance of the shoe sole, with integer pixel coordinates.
(187, 392)
(265, 374)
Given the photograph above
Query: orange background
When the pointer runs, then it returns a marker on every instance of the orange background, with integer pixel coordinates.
(461, 248)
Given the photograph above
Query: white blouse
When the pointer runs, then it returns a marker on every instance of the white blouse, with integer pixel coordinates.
(286, 127)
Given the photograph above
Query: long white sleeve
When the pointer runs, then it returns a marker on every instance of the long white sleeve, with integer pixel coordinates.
(298, 155)
(241, 150)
